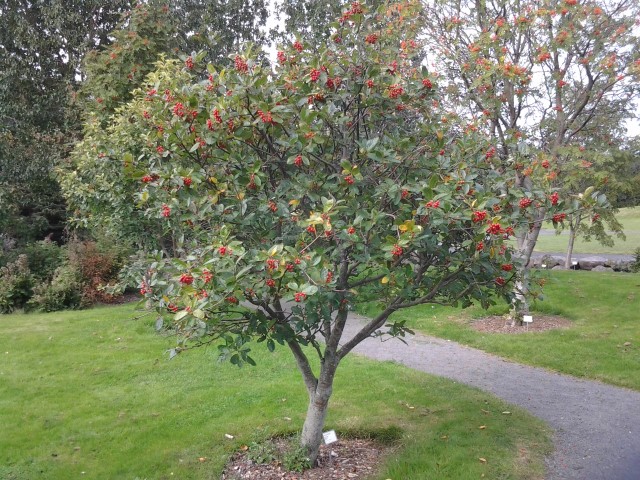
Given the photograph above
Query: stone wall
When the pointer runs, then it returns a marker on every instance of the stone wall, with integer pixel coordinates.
(595, 263)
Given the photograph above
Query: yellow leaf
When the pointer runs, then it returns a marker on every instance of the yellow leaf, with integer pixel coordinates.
(384, 280)
(295, 203)
(439, 135)
(403, 227)
(483, 460)
(240, 196)
(482, 427)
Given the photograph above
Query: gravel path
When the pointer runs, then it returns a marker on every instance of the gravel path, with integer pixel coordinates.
(597, 426)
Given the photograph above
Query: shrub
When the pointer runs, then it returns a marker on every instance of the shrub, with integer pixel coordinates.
(44, 258)
(16, 284)
(96, 267)
(63, 291)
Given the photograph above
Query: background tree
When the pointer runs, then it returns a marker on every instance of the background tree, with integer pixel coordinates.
(330, 180)
(41, 46)
(540, 74)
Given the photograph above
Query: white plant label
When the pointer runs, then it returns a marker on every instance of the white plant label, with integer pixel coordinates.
(527, 318)
(330, 437)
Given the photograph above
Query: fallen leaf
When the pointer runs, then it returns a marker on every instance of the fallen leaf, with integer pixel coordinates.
(482, 427)
(202, 459)
(226, 435)
(506, 413)
(483, 460)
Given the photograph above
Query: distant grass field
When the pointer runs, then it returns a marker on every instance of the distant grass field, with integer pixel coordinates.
(603, 307)
(92, 394)
(549, 242)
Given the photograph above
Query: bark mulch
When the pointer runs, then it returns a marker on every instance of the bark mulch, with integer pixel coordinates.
(500, 324)
(350, 459)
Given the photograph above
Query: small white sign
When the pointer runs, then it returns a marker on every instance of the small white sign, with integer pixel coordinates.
(574, 262)
(527, 318)
(544, 265)
(330, 437)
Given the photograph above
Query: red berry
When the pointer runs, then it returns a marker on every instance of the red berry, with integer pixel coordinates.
(396, 251)
(500, 281)
(351, 230)
(270, 282)
(299, 296)
(298, 161)
(186, 278)
(187, 181)
(349, 179)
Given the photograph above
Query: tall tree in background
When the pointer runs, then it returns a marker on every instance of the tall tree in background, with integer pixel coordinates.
(41, 47)
(540, 74)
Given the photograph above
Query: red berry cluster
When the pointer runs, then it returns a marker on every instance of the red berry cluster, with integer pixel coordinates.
(494, 229)
(272, 206)
(298, 161)
(395, 91)
(478, 216)
(372, 38)
(299, 296)
(232, 299)
(433, 204)
(545, 164)
(281, 57)
(311, 229)
(241, 64)
(315, 74)
(166, 210)
(559, 217)
(298, 46)
(178, 110)
(145, 288)
(490, 153)
(555, 198)
(480, 246)
(265, 116)
(349, 179)
(500, 281)
(396, 251)
(172, 308)
(224, 250)
(355, 9)
(189, 63)
(370, 83)
(187, 181)
(207, 276)
(351, 230)
(427, 83)
(272, 263)
(507, 267)
(186, 279)
(525, 202)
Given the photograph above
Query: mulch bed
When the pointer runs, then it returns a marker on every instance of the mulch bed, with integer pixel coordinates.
(500, 324)
(351, 459)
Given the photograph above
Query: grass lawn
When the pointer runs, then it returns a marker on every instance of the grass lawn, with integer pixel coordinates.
(91, 394)
(628, 217)
(604, 310)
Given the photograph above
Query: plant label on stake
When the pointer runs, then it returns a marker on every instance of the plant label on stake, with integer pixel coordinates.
(330, 437)
(527, 318)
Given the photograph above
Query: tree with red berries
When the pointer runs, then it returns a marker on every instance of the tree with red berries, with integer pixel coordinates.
(293, 193)
(538, 77)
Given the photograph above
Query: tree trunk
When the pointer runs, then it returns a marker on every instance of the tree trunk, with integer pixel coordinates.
(314, 423)
(572, 239)
(317, 410)
(526, 244)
